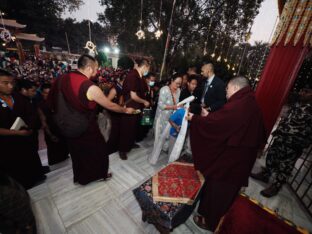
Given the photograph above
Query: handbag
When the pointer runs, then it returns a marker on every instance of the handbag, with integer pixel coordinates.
(147, 117)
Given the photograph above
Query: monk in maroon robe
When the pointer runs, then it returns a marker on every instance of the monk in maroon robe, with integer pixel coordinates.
(224, 146)
(57, 148)
(115, 95)
(134, 94)
(19, 158)
(89, 151)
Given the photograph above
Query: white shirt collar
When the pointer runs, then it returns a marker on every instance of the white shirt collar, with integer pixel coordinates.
(210, 79)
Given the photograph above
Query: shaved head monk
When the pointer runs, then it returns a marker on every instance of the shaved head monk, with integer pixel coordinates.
(19, 158)
(224, 145)
(89, 151)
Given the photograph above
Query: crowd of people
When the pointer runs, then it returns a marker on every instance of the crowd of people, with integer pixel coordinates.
(98, 111)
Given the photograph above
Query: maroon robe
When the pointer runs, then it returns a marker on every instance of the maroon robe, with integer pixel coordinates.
(114, 136)
(224, 146)
(57, 151)
(19, 158)
(89, 151)
(128, 123)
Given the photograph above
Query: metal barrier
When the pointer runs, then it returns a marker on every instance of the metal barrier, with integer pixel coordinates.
(301, 181)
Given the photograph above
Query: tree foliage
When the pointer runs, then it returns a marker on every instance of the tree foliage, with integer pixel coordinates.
(125, 62)
(196, 23)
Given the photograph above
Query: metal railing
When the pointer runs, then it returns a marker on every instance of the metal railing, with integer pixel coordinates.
(301, 181)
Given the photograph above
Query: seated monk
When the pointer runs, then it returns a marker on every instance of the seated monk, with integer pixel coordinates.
(225, 145)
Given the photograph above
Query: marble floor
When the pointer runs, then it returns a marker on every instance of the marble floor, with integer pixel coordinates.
(60, 206)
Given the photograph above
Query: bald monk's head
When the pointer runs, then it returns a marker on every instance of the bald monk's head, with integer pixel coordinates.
(236, 84)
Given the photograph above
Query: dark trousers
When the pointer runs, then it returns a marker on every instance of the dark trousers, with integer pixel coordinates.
(57, 151)
(128, 132)
(216, 198)
(113, 141)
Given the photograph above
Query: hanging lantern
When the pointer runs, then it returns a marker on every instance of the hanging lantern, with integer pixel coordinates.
(225, 60)
(213, 55)
(140, 34)
(91, 48)
(158, 33)
(228, 66)
(5, 35)
(186, 11)
(219, 59)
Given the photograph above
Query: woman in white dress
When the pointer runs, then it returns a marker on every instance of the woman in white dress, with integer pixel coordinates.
(167, 104)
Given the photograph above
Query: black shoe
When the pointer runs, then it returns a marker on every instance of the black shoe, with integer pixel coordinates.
(123, 155)
(135, 146)
(260, 176)
(270, 191)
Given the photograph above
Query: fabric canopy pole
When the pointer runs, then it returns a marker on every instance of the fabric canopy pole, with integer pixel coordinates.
(291, 44)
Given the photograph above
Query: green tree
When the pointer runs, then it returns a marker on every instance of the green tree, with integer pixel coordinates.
(195, 23)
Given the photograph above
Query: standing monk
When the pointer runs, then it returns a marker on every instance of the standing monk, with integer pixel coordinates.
(56, 144)
(19, 158)
(88, 151)
(133, 93)
(224, 145)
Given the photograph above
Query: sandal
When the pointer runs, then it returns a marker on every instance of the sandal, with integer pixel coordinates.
(200, 221)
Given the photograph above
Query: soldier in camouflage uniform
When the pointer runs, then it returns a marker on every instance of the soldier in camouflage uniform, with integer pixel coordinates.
(293, 134)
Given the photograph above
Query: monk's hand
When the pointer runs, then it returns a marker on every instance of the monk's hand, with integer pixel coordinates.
(129, 110)
(204, 112)
(146, 104)
(189, 116)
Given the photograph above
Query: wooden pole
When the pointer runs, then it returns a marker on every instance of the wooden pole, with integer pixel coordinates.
(68, 48)
(167, 42)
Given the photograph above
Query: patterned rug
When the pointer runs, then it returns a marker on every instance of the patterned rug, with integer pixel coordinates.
(178, 182)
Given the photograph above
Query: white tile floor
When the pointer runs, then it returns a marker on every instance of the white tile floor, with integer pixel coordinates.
(110, 207)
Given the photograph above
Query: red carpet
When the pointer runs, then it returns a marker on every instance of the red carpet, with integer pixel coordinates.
(246, 217)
